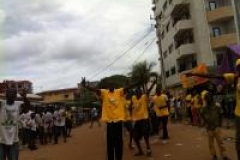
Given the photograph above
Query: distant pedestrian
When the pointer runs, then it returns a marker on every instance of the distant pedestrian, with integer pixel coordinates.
(94, 117)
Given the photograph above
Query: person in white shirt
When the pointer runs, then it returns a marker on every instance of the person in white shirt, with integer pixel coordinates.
(33, 129)
(9, 116)
(57, 124)
(48, 126)
(62, 127)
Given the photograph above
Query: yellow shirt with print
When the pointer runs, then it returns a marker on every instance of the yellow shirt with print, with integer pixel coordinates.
(140, 108)
(160, 105)
(113, 109)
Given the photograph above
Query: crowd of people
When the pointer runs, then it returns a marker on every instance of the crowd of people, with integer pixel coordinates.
(141, 115)
(44, 126)
(131, 106)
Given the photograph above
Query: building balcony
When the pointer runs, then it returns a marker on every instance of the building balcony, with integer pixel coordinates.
(220, 14)
(178, 6)
(223, 40)
(182, 26)
(185, 50)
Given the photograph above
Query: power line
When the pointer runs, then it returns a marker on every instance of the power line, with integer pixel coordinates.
(145, 49)
(121, 55)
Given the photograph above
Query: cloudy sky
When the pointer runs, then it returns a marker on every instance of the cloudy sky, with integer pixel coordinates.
(53, 43)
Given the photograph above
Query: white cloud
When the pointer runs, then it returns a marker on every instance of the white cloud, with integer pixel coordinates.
(54, 43)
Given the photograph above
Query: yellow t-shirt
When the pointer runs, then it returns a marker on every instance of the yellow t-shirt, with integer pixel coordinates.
(140, 108)
(127, 111)
(237, 109)
(203, 94)
(196, 100)
(113, 109)
(229, 77)
(160, 105)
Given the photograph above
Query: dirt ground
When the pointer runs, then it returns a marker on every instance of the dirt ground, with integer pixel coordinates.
(186, 143)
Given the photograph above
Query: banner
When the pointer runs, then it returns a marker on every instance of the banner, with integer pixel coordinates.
(189, 82)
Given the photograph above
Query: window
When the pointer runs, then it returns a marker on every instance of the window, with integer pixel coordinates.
(212, 5)
(165, 6)
(170, 49)
(216, 31)
(165, 54)
(168, 27)
(167, 74)
(182, 67)
(173, 70)
(194, 63)
(66, 96)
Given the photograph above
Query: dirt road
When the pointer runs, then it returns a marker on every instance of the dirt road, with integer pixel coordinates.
(186, 143)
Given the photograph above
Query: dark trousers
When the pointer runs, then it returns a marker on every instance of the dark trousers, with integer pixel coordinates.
(142, 130)
(32, 140)
(129, 127)
(164, 121)
(114, 141)
(238, 136)
(59, 130)
(9, 152)
(40, 134)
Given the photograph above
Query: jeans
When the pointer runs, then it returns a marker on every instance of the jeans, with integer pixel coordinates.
(9, 152)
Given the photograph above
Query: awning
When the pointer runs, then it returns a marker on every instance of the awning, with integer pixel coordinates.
(229, 58)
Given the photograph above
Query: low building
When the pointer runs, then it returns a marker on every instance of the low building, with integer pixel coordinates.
(60, 95)
(18, 85)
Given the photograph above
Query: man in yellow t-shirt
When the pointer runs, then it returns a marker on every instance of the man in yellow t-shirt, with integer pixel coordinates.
(113, 113)
(234, 79)
(128, 120)
(141, 122)
(140, 117)
(161, 108)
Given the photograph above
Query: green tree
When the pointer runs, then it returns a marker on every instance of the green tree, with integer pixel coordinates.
(142, 72)
(117, 80)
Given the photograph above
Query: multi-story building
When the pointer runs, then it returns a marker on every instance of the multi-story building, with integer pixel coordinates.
(18, 85)
(191, 32)
(61, 95)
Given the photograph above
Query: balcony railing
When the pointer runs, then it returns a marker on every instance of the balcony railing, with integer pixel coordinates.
(223, 40)
(220, 14)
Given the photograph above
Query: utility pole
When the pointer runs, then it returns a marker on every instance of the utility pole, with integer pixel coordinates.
(158, 30)
(236, 4)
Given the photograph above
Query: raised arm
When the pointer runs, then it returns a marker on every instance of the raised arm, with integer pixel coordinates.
(131, 86)
(93, 89)
(26, 103)
(151, 87)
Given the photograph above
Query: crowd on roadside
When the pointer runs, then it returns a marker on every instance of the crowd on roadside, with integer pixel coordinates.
(44, 126)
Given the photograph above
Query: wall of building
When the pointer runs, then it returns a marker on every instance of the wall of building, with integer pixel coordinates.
(59, 96)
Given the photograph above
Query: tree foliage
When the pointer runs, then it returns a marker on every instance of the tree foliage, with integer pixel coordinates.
(141, 72)
(118, 81)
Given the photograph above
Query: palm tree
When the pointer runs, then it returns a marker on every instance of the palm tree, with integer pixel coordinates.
(141, 72)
